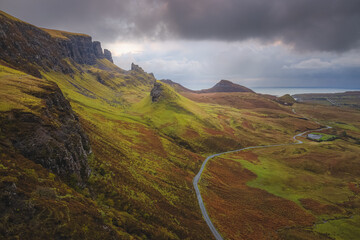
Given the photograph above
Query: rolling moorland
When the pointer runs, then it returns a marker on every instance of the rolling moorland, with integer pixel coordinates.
(89, 150)
(347, 99)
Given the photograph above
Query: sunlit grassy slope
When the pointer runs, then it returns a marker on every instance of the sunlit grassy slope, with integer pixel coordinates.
(140, 182)
(213, 127)
(12, 85)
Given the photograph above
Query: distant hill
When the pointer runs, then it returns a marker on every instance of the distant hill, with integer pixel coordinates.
(222, 86)
(286, 100)
(228, 94)
(178, 87)
(226, 86)
(345, 99)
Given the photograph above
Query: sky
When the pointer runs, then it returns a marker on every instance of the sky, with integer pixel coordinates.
(256, 43)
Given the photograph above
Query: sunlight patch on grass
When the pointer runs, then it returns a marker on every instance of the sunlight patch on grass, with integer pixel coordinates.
(341, 229)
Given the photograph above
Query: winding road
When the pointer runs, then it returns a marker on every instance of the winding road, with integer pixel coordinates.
(196, 179)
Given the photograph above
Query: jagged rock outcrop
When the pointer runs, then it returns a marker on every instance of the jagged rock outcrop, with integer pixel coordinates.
(98, 50)
(53, 137)
(23, 46)
(156, 91)
(136, 68)
(108, 56)
(163, 93)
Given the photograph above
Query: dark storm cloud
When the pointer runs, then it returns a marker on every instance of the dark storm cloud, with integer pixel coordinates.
(329, 25)
(106, 20)
(324, 25)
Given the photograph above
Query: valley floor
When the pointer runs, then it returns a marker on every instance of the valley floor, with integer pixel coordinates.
(196, 179)
(307, 191)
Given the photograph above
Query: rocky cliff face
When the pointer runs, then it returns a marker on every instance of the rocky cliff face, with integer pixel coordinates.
(51, 137)
(108, 56)
(24, 46)
(156, 92)
(162, 93)
(136, 68)
(79, 48)
(97, 49)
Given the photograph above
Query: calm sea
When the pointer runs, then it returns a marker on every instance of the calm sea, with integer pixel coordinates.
(282, 91)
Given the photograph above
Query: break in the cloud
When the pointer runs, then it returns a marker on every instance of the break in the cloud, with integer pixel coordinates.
(313, 63)
(197, 42)
(200, 64)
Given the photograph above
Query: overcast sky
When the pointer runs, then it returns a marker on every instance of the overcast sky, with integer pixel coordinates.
(257, 43)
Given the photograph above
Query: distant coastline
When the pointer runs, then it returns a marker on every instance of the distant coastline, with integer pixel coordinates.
(280, 91)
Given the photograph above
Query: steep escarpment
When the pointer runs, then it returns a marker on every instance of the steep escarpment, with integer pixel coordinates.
(43, 146)
(26, 47)
(50, 135)
(78, 47)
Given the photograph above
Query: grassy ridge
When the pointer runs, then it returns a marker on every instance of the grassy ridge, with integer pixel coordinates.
(13, 83)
